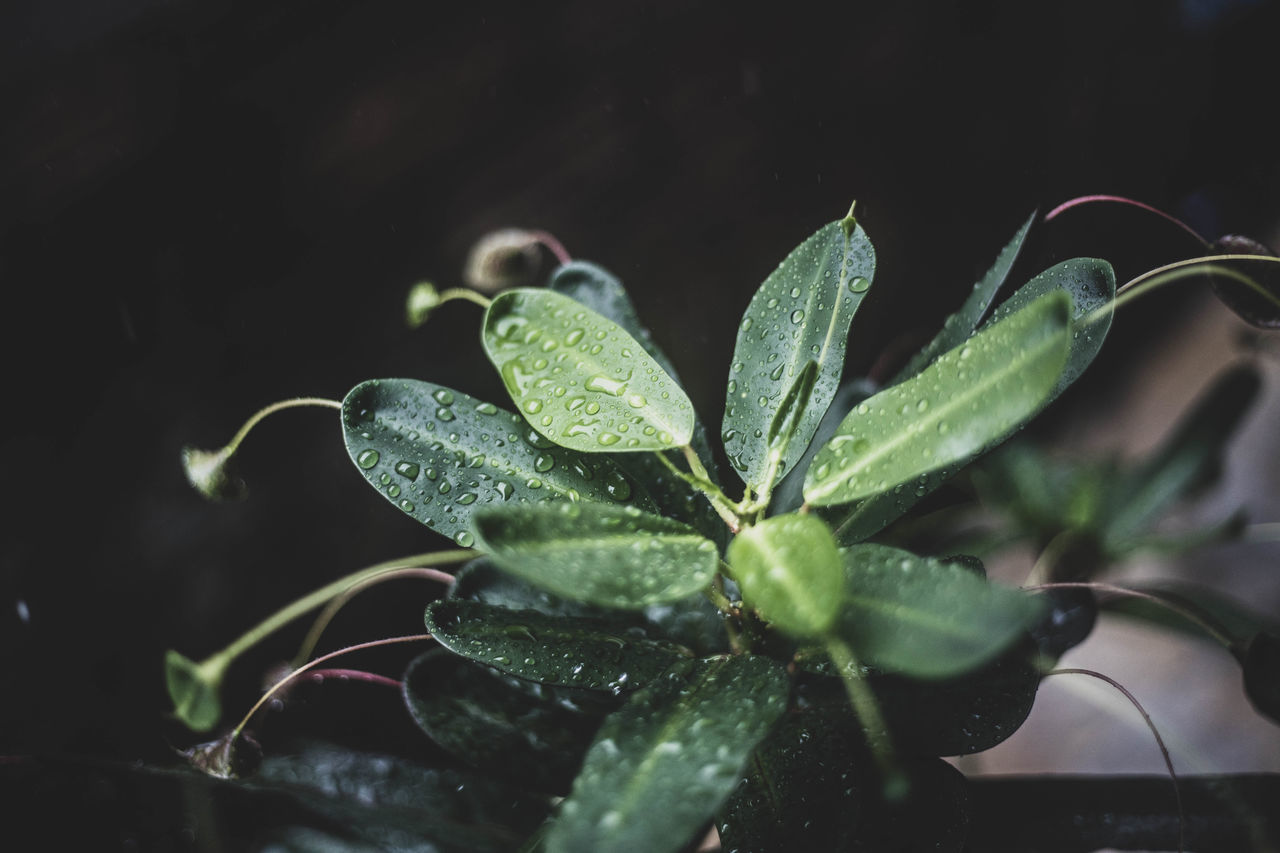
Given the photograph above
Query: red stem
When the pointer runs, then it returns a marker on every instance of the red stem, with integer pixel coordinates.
(1119, 199)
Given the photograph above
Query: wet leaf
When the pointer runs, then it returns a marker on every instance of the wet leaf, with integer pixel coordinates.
(813, 785)
(786, 421)
(923, 617)
(608, 555)
(789, 569)
(579, 379)
(788, 495)
(602, 292)
(553, 650)
(534, 743)
(957, 328)
(440, 455)
(801, 312)
(1257, 299)
(966, 401)
(695, 725)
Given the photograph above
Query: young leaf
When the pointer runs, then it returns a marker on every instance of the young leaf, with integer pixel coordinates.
(194, 692)
(440, 455)
(786, 422)
(967, 400)
(552, 650)
(923, 617)
(957, 328)
(579, 379)
(802, 311)
(533, 742)
(789, 569)
(608, 555)
(661, 765)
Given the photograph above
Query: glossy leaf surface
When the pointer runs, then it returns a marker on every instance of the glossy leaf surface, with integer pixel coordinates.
(579, 379)
(801, 312)
(533, 742)
(789, 569)
(556, 651)
(608, 555)
(440, 455)
(785, 427)
(1257, 299)
(661, 765)
(923, 617)
(967, 400)
(958, 326)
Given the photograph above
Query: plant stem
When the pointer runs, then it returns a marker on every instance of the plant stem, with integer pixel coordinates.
(867, 708)
(1178, 270)
(719, 502)
(546, 238)
(1209, 627)
(220, 660)
(294, 402)
(235, 733)
(326, 616)
(1087, 199)
(355, 675)
(466, 293)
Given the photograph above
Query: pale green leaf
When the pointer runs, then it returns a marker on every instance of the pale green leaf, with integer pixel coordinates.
(439, 455)
(801, 312)
(967, 400)
(579, 379)
(609, 555)
(660, 766)
(789, 569)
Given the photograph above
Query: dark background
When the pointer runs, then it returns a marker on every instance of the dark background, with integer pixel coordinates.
(207, 206)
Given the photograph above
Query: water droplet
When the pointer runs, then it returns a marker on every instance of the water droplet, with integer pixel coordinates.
(797, 315)
(966, 351)
(607, 438)
(393, 490)
(922, 405)
(635, 401)
(616, 486)
(367, 458)
(795, 293)
(444, 414)
(408, 470)
(467, 498)
(822, 470)
(574, 336)
(533, 483)
(487, 409)
(445, 487)
(942, 427)
(533, 406)
(776, 373)
(575, 403)
(407, 506)
(858, 284)
(592, 408)
(737, 367)
(504, 489)
(763, 401)
(732, 387)
(384, 478)
(772, 303)
(746, 323)
(544, 463)
(444, 397)
(605, 385)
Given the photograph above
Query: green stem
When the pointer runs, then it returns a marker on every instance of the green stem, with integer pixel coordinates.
(719, 502)
(294, 402)
(235, 733)
(331, 609)
(466, 293)
(219, 661)
(867, 708)
(1152, 279)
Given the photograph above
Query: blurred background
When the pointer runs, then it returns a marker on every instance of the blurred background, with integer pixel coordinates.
(207, 206)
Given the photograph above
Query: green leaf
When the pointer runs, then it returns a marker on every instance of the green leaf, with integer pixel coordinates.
(661, 765)
(440, 455)
(786, 421)
(966, 401)
(551, 650)
(602, 292)
(802, 311)
(608, 555)
(957, 328)
(1187, 459)
(789, 569)
(194, 691)
(812, 785)
(533, 742)
(1092, 286)
(924, 617)
(788, 495)
(579, 379)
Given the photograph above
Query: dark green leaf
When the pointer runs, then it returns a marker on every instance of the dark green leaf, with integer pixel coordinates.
(440, 455)
(608, 555)
(552, 650)
(924, 617)
(812, 785)
(801, 312)
(957, 327)
(661, 765)
(579, 379)
(786, 421)
(960, 715)
(964, 403)
(527, 741)
(788, 495)
(789, 569)
(1256, 299)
